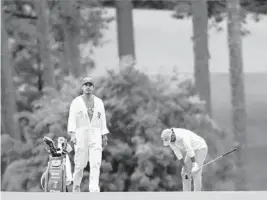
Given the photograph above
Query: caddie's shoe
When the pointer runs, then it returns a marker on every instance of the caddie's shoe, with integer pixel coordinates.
(76, 189)
(69, 187)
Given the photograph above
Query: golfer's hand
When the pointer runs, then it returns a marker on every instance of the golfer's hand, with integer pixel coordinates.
(195, 167)
(183, 171)
(104, 141)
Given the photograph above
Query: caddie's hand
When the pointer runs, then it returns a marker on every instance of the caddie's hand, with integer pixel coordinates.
(73, 139)
(104, 141)
(195, 167)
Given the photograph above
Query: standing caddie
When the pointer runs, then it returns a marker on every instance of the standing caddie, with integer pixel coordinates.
(195, 150)
(88, 130)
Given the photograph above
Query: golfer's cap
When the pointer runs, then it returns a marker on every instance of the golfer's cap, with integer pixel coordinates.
(166, 137)
(88, 80)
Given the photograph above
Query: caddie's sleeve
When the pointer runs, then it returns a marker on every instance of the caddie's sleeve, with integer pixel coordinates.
(104, 128)
(72, 118)
(188, 147)
(177, 152)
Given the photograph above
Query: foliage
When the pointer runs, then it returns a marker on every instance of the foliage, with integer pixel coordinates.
(214, 6)
(24, 163)
(138, 108)
(217, 11)
(20, 22)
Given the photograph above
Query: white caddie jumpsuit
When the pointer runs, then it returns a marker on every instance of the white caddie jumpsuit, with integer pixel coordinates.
(192, 145)
(88, 139)
(69, 178)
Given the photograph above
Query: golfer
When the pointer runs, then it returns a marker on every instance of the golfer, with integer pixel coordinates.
(88, 130)
(195, 150)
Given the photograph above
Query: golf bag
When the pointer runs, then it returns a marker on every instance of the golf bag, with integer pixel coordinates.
(54, 178)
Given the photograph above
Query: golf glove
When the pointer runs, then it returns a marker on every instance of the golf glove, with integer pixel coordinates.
(194, 167)
(183, 171)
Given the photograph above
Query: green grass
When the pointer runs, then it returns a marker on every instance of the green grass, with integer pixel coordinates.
(255, 101)
(163, 41)
(256, 122)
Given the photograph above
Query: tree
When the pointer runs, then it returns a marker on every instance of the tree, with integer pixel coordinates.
(125, 30)
(237, 89)
(21, 27)
(8, 97)
(43, 32)
(201, 51)
(71, 29)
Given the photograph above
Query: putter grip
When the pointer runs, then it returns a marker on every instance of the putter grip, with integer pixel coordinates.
(229, 152)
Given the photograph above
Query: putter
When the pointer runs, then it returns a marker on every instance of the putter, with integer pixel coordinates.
(186, 177)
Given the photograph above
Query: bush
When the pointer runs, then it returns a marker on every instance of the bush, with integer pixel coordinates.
(138, 108)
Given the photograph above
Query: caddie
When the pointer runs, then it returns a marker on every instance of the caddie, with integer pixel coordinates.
(88, 130)
(194, 147)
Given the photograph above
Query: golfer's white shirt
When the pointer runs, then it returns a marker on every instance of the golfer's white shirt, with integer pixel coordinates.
(187, 141)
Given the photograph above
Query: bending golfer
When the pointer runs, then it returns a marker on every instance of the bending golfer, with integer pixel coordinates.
(195, 149)
(88, 130)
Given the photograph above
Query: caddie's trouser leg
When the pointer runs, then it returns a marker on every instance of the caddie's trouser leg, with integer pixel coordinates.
(95, 158)
(68, 171)
(80, 162)
(197, 177)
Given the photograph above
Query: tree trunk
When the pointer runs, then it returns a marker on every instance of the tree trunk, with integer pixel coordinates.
(71, 27)
(125, 30)
(8, 97)
(237, 90)
(44, 42)
(201, 51)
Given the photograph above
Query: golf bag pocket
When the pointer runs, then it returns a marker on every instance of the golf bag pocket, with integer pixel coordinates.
(56, 175)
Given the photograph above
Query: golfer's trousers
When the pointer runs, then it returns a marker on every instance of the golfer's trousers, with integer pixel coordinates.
(200, 156)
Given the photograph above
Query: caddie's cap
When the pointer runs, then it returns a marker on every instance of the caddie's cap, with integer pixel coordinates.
(166, 137)
(88, 80)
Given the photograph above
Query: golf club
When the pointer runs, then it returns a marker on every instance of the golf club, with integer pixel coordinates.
(186, 177)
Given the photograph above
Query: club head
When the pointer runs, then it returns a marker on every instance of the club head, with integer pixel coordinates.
(47, 140)
(50, 145)
(62, 142)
